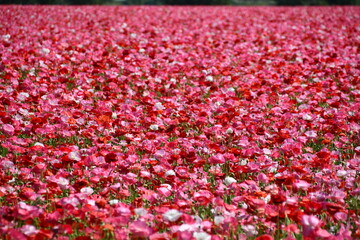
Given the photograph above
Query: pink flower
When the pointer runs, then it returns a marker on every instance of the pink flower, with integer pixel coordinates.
(203, 197)
(344, 233)
(250, 230)
(25, 211)
(15, 234)
(62, 182)
(263, 178)
(140, 229)
(301, 184)
(8, 129)
(29, 230)
(311, 134)
(312, 227)
(164, 191)
(217, 159)
(159, 236)
(340, 216)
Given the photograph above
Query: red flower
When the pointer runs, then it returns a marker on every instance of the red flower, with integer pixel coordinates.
(264, 237)
(111, 157)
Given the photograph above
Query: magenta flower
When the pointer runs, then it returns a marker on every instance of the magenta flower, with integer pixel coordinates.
(312, 227)
(216, 159)
(8, 129)
(140, 229)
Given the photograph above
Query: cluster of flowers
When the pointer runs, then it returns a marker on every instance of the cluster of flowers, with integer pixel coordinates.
(178, 122)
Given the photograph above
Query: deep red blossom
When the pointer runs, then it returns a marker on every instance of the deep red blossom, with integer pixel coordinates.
(264, 237)
(110, 157)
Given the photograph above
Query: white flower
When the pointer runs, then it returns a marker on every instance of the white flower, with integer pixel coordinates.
(9, 89)
(129, 135)
(273, 169)
(201, 236)
(172, 215)
(6, 37)
(250, 230)
(244, 206)
(159, 106)
(29, 230)
(75, 156)
(185, 227)
(87, 190)
(39, 144)
(209, 78)
(114, 202)
(307, 117)
(229, 131)
(267, 198)
(45, 51)
(229, 180)
(140, 211)
(218, 220)
(62, 182)
(170, 173)
(154, 127)
(341, 173)
(243, 162)
(266, 151)
(23, 96)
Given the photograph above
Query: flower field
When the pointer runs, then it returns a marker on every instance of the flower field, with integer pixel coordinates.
(179, 122)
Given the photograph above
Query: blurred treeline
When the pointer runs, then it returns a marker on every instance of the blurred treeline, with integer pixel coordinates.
(186, 2)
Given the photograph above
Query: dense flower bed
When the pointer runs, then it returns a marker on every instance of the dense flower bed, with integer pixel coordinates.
(179, 122)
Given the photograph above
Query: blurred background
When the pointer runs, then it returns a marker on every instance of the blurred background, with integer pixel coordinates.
(188, 2)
